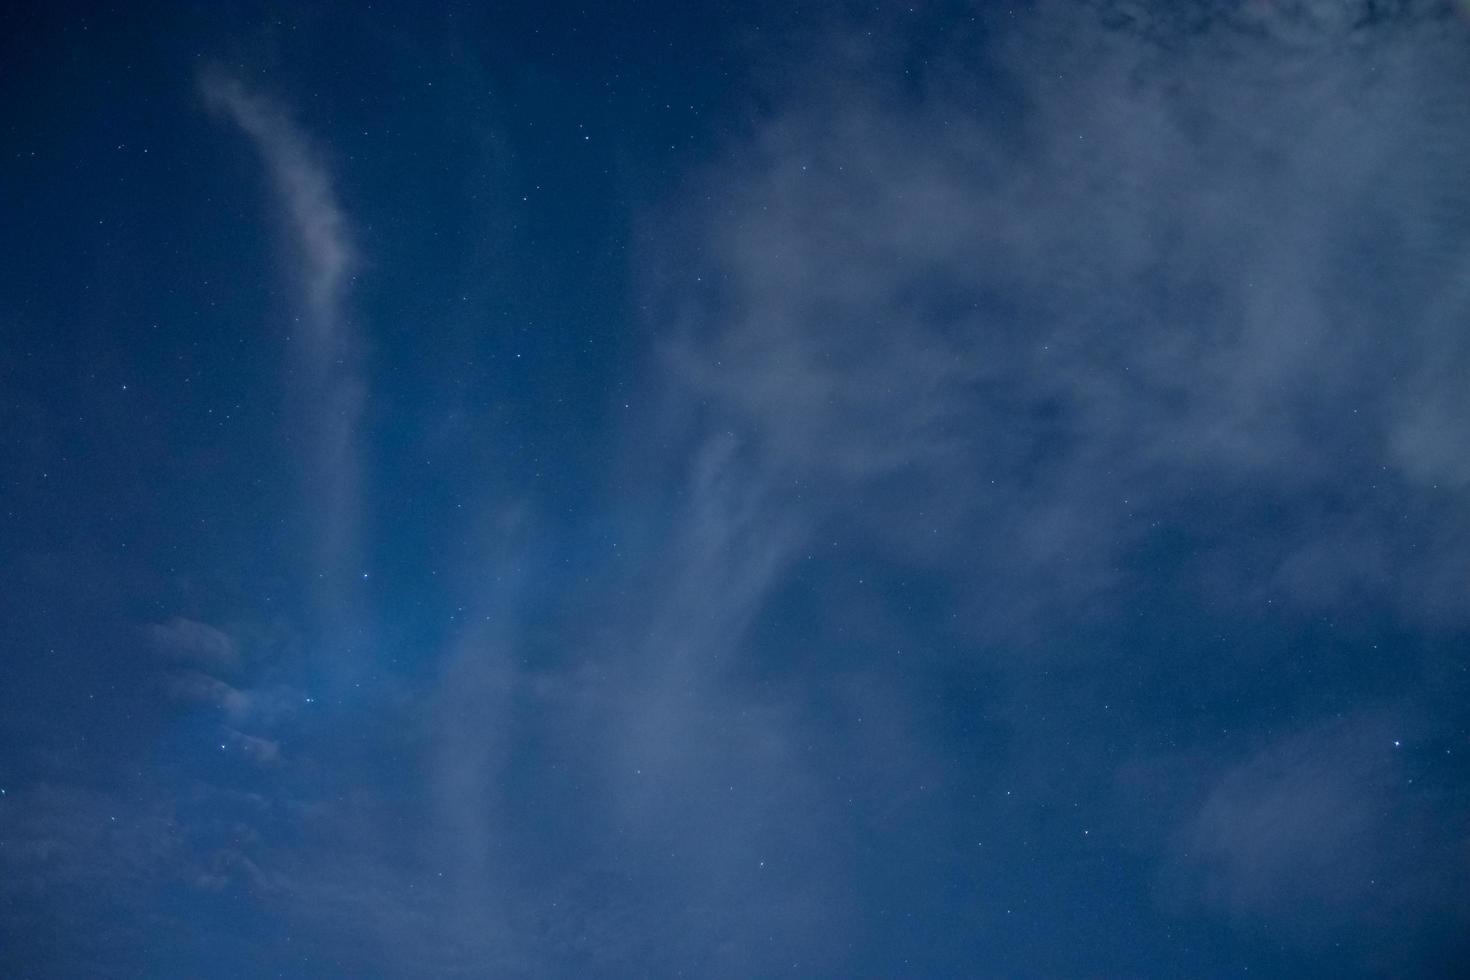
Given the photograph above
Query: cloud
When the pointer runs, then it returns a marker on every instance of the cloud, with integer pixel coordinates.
(1324, 830)
(1167, 278)
(329, 350)
(1171, 301)
(1298, 826)
(308, 198)
(194, 642)
(261, 751)
(200, 688)
(72, 854)
(608, 789)
(1146, 288)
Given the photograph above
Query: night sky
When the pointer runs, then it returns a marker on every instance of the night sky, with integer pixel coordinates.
(653, 489)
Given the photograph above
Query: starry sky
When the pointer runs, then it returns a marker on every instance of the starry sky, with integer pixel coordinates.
(658, 489)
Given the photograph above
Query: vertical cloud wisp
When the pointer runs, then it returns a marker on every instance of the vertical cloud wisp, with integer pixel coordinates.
(334, 388)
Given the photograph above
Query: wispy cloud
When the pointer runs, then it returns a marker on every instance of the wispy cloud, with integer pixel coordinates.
(1301, 823)
(1165, 296)
(1162, 284)
(306, 193)
(328, 351)
(194, 642)
(1198, 265)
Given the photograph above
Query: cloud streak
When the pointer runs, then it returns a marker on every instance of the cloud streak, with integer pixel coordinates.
(328, 351)
(306, 194)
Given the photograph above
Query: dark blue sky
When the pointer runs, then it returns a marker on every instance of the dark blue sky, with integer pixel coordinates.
(726, 490)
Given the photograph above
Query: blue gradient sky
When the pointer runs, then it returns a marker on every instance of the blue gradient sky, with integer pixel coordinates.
(646, 490)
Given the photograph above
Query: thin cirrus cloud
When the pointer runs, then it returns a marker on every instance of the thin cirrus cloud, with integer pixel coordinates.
(190, 641)
(328, 352)
(306, 194)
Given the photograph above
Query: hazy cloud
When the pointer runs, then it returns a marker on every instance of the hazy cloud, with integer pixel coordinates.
(1154, 284)
(1160, 282)
(307, 196)
(194, 642)
(200, 688)
(328, 349)
(1321, 830)
(1164, 277)
(261, 751)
